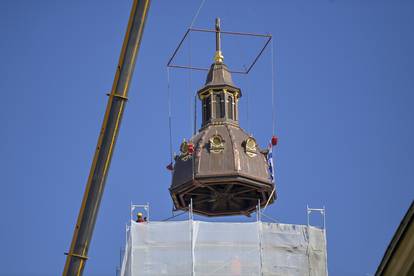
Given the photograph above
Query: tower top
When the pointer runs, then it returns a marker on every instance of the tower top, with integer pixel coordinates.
(218, 57)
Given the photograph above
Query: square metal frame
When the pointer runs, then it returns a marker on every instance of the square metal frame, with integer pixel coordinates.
(171, 60)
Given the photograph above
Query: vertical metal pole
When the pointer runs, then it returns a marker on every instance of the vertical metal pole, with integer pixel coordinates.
(218, 58)
(260, 212)
(326, 241)
(126, 233)
(218, 35)
(120, 257)
(192, 236)
(259, 225)
(131, 250)
(324, 224)
(131, 211)
(77, 255)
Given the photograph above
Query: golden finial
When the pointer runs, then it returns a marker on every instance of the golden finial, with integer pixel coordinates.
(218, 57)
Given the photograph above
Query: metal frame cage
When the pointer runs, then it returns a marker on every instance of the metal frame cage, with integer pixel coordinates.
(171, 63)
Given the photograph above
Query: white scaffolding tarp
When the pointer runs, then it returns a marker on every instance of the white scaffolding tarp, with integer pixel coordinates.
(222, 248)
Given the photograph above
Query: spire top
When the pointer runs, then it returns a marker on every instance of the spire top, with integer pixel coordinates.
(218, 57)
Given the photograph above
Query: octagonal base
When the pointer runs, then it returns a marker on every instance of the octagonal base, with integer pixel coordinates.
(222, 196)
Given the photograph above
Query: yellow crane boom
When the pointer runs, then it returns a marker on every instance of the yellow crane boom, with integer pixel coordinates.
(77, 255)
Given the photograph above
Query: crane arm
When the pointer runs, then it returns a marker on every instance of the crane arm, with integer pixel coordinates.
(77, 255)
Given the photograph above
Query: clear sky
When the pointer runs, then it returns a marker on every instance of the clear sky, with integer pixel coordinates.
(344, 105)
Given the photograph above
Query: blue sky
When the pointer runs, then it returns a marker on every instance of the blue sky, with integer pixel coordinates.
(344, 108)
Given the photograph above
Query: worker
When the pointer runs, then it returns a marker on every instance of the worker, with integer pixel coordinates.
(236, 266)
(140, 218)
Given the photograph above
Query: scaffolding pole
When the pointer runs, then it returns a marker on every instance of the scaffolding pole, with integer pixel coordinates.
(191, 220)
(259, 231)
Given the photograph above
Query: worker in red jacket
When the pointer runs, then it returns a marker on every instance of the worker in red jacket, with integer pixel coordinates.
(140, 218)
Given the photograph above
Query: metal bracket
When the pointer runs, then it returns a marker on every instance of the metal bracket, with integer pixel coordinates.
(145, 207)
(77, 256)
(321, 211)
(117, 96)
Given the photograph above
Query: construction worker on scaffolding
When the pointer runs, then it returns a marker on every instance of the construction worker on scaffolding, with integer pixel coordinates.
(140, 219)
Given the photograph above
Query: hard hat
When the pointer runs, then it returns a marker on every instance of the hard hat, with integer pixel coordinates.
(139, 214)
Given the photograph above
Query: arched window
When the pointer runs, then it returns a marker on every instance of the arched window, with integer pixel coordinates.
(219, 105)
(230, 107)
(235, 109)
(206, 109)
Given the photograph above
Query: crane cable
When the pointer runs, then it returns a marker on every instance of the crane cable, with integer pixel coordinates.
(189, 86)
(273, 86)
(193, 123)
(169, 89)
(169, 115)
(197, 13)
(272, 62)
(193, 106)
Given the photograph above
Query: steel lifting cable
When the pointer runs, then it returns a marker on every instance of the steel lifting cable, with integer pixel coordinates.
(174, 216)
(190, 101)
(169, 89)
(169, 114)
(247, 112)
(193, 124)
(272, 62)
(197, 13)
(189, 84)
(270, 197)
(192, 107)
(273, 86)
(192, 104)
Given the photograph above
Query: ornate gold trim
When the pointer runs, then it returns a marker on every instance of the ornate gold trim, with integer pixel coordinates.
(216, 144)
(185, 154)
(250, 147)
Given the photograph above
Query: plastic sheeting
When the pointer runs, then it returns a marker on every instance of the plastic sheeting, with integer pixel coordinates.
(217, 248)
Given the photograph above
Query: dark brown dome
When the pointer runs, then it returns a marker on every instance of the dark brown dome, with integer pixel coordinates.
(221, 169)
(226, 175)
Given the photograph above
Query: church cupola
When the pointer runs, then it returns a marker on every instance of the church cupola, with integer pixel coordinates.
(221, 169)
(219, 96)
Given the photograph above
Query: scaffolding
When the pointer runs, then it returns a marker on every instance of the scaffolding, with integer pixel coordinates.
(192, 247)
